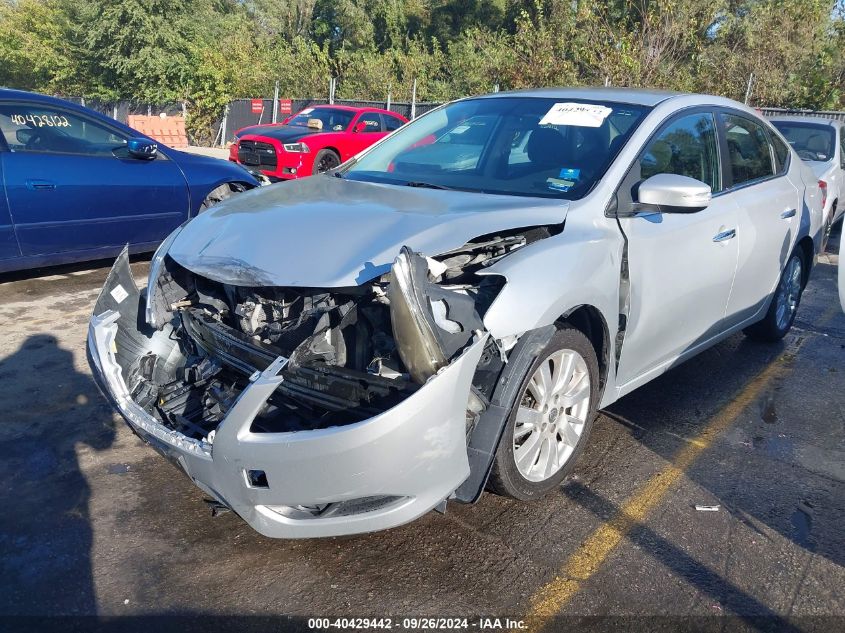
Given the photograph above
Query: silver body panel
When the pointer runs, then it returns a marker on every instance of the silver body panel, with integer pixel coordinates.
(686, 291)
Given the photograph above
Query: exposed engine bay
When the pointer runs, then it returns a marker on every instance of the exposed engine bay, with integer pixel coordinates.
(351, 353)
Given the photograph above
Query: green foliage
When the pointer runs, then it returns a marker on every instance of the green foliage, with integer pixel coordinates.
(205, 52)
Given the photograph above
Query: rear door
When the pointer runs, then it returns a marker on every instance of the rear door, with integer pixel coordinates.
(768, 208)
(71, 185)
(366, 130)
(681, 265)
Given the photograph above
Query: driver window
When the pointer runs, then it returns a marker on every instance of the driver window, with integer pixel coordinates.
(687, 147)
(45, 129)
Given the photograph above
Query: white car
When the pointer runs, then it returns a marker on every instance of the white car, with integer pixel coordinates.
(821, 144)
(447, 311)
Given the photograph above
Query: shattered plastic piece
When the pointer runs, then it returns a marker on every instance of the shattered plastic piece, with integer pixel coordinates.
(702, 508)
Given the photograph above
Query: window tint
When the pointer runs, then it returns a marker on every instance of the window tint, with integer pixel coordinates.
(36, 128)
(749, 152)
(686, 147)
(371, 120)
(392, 122)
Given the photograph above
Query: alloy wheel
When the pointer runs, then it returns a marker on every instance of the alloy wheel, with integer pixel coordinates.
(789, 293)
(552, 415)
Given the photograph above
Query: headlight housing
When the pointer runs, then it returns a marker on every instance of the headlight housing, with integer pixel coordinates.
(297, 148)
(156, 265)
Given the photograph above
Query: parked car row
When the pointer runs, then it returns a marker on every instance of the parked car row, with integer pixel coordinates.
(821, 144)
(445, 313)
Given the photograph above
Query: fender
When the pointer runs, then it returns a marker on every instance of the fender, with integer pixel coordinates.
(588, 257)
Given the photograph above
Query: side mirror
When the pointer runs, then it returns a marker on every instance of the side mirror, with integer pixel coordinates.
(360, 127)
(673, 193)
(142, 148)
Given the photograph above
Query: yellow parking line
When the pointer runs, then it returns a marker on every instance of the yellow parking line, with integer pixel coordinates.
(552, 597)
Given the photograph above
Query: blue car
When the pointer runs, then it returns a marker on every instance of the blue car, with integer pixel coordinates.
(78, 185)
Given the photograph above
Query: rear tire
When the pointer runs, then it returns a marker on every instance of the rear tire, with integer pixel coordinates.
(784, 303)
(551, 419)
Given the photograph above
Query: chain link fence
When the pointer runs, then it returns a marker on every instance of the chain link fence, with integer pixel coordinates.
(239, 112)
(820, 114)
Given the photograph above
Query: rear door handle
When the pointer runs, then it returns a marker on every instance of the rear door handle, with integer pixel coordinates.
(789, 213)
(724, 236)
(40, 185)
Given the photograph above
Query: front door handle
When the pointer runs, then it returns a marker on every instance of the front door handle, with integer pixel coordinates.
(789, 213)
(724, 236)
(40, 185)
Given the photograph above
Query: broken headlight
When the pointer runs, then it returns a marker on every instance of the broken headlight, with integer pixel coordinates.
(431, 323)
(153, 313)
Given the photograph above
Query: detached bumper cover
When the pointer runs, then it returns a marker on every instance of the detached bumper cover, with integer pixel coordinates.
(374, 474)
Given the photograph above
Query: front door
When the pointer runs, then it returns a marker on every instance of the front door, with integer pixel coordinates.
(680, 265)
(71, 185)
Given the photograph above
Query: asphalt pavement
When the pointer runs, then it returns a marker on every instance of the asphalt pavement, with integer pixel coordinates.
(715, 490)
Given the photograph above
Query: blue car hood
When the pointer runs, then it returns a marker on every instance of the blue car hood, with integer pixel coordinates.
(330, 232)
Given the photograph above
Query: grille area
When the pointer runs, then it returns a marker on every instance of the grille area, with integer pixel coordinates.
(257, 154)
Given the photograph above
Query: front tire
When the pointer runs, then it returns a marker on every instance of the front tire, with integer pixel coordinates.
(784, 304)
(325, 160)
(551, 418)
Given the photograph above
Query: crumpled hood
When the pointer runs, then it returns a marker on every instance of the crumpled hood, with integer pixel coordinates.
(329, 232)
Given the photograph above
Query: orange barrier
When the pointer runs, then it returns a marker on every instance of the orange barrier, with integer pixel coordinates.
(169, 130)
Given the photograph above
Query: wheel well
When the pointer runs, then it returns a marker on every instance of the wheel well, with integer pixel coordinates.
(806, 248)
(589, 320)
(240, 186)
(333, 150)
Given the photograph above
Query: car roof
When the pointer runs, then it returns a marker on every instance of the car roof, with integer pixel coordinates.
(352, 108)
(636, 96)
(12, 93)
(794, 118)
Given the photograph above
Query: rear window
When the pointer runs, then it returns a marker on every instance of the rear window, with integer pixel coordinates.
(812, 141)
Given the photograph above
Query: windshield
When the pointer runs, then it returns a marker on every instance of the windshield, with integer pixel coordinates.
(523, 146)
(333, 119)
(812, 141)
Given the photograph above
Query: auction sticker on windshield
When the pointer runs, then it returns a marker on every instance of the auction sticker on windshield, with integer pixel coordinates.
(579, 114)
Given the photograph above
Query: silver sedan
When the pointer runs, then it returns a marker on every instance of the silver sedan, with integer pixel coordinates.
(446, 312)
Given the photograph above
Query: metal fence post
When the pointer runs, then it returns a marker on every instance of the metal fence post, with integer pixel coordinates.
(388, 100)
(223, 126)
(748, 89)
(276, 102)
(414, 100)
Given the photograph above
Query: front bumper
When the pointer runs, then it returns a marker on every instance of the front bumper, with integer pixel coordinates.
(374, 474)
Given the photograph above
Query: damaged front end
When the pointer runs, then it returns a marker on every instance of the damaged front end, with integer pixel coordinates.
(308, 411)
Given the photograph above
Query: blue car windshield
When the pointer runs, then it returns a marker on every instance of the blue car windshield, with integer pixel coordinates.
(525, 146)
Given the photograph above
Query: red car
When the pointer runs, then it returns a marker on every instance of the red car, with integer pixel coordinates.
(312, 141)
